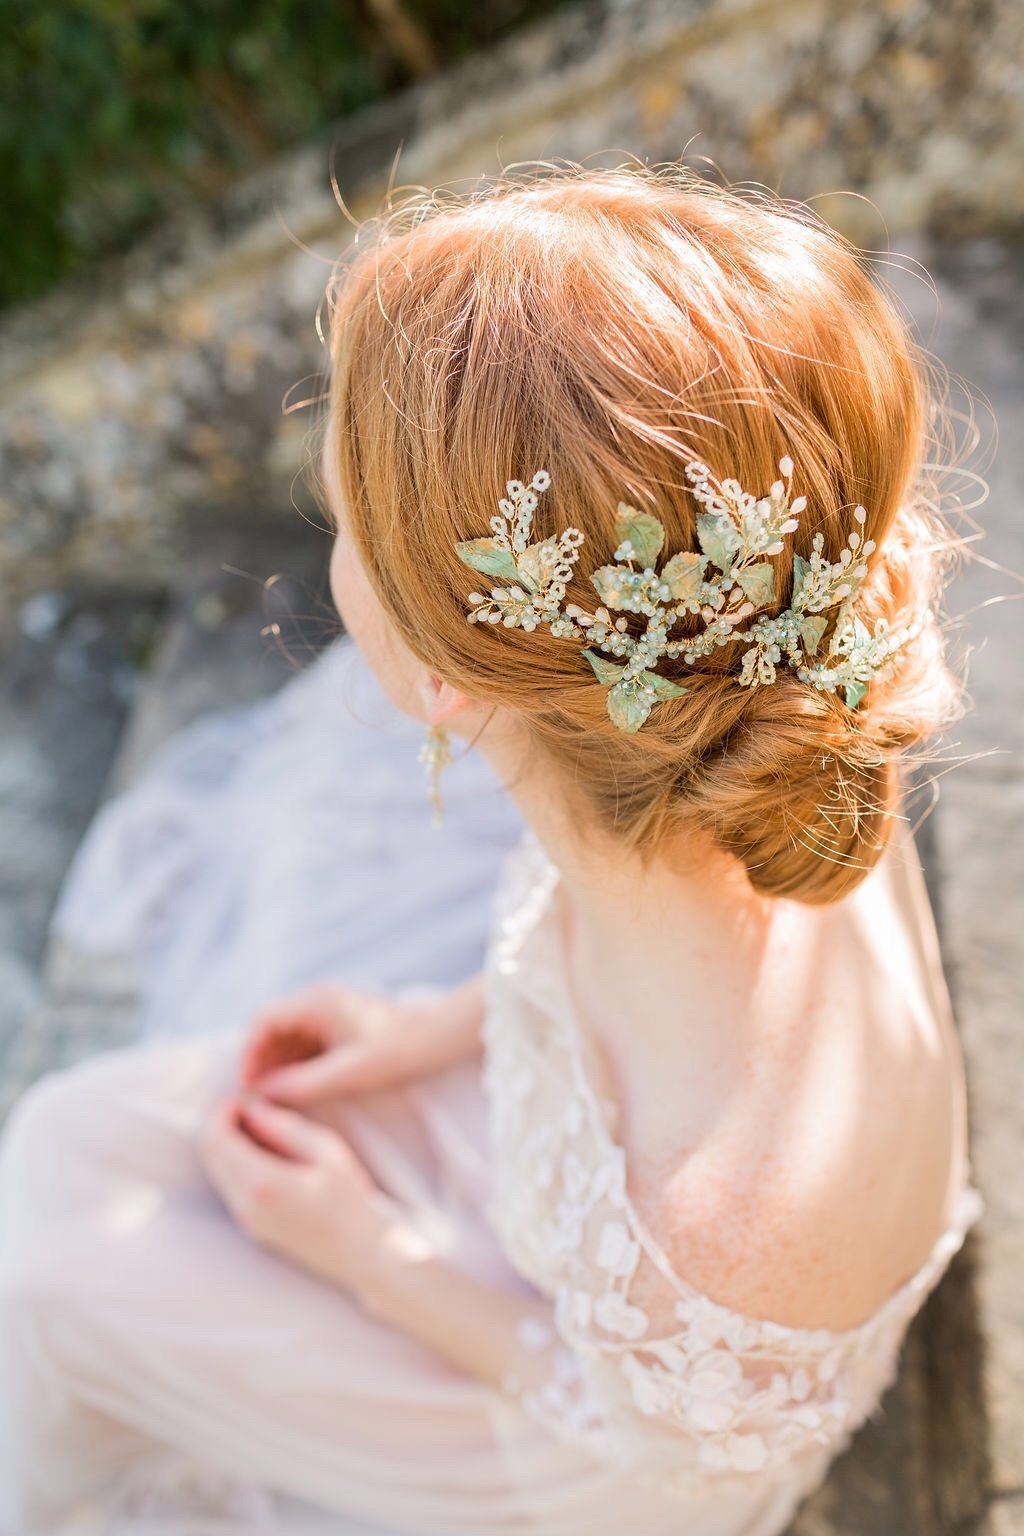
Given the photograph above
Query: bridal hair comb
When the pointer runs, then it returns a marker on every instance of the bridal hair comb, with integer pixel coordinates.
(725, 583)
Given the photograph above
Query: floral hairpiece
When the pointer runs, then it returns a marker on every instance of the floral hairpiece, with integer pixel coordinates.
(725, 584)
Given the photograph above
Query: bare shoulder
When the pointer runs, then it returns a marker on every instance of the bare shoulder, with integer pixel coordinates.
(826, 1182)
(792, 1109)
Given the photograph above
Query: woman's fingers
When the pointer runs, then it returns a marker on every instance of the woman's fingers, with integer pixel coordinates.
(301, 1191)
(351, 1068)
(326, 1041)
(233, 1161)
(290, 1133)
(298, 1027)
(246, 1143)
(254, 1178)
(279, 1044)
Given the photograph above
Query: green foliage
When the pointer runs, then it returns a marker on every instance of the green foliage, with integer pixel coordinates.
(113, 112)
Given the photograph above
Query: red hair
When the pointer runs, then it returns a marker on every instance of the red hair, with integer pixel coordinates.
(609, 326)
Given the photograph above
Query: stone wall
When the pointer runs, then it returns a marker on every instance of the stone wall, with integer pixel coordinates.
(153, 395)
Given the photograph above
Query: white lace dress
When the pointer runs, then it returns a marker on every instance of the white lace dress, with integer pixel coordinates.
(161, 1373)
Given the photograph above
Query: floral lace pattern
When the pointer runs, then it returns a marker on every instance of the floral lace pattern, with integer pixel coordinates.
(643, 1367)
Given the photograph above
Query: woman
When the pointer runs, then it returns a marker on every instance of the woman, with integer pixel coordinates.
(627, 1230)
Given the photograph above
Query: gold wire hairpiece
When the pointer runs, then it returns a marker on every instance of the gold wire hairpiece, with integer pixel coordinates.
(725, 583)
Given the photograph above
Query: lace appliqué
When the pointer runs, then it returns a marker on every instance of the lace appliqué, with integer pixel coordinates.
(641, 1365)
(565, 1401)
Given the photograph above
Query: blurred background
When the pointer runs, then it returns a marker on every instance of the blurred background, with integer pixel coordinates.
(172, 178)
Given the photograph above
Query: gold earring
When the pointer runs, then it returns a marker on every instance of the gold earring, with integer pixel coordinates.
(435, 754)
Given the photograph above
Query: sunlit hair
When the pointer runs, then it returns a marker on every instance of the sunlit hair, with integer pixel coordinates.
(608, 326)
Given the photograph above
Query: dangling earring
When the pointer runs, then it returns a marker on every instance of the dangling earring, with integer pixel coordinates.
(435, 754)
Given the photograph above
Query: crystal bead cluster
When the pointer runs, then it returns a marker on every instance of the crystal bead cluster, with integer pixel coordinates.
(725, 583)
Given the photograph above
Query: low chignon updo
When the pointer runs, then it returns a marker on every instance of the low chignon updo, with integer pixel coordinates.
(609, 326)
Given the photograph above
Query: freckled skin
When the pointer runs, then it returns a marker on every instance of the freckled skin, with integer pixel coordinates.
(788, 1197)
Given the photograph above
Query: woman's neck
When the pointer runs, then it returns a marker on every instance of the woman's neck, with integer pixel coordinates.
(647, 944)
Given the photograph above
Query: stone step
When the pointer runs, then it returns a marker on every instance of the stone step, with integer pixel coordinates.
(84, 717)
(65, 690)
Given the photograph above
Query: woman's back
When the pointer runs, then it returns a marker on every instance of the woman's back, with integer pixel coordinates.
(798, 1163)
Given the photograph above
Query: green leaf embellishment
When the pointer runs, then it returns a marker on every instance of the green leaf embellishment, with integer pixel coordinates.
(604, 671)
(728, 583)
(800, 569)
(812, 631)
(757, 583)
(719, 539)
(683, 575)
(488, 556)
(534, 571)
(613, 584)
(643, 531)
(664, 687)
(629, 705)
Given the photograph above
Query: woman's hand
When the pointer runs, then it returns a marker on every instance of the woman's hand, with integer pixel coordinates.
(313, 1201)
(297, 1187)
(329, 1040)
